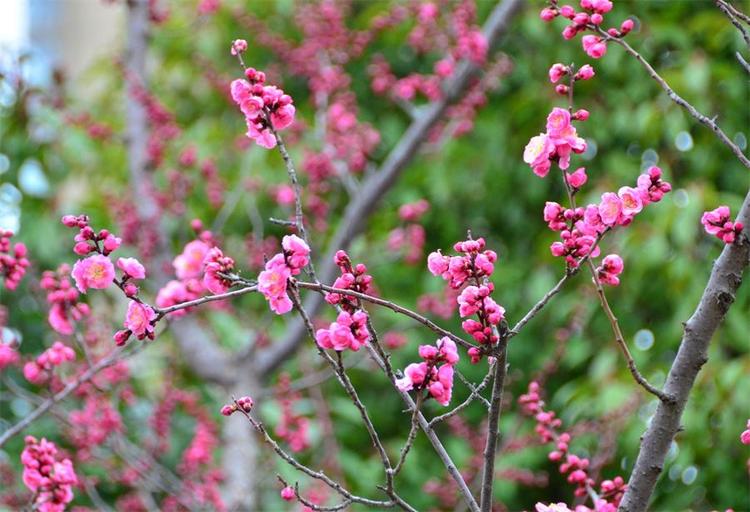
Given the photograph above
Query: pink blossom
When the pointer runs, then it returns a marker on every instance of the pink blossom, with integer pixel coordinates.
(610, 268)
(437, 264)
(238, 46)
(442, 386)
(189, 264)
(631, 201)
(577, 179)
(287, 493)
(132, 268)
(651, 187)
(296, 252)
(139, 320)
(585, 73)
(8, 355)
(349, 331)
(272, 283)
(537, 154)
(414, 375)
(216, 264)
(610, 208)
(594, 46)
(557, 71)
(49, 478)
(96, 271)
(745, 436)
(719, 223)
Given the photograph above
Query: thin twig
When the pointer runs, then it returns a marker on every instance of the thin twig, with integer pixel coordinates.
(463, 405)
(704, 120)
(387, 304)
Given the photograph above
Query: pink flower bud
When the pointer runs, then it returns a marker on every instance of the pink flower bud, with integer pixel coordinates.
(227, 410)
(626, 26)
(597, 18)
(561, 89)
(287, 493)
(548, 14)
(581, 115)
(567, 11)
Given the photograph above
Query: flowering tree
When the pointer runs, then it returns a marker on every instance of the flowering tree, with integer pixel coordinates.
(398, 379)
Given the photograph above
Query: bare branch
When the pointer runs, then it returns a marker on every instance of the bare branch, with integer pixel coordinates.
(725, 279)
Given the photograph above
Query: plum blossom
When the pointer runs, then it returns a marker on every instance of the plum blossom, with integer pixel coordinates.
(349, 331)
(557, 144)
(139, 320)
(96, 271)
(438, 381)
(610, 268)
(189, 263)
(272, 281)
(50, 479)
(131, 267)
(745, 436)
(718, 222)
(13, 260)
(216, 264)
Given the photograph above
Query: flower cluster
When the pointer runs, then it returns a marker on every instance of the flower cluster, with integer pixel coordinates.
(244, 403)
(189, 268)
(719, 223)
(556, 145)
(264, 106)
(39, 370)
(610, 268)
(13, 261)
(272, 282)
(349, 331)
(438, 381)
(50, 479)
(63, 300)
(579, 228)
(474, 266)
(215, 266)
(353, 277)
(590, 18)
(558, 71)
(547, 425)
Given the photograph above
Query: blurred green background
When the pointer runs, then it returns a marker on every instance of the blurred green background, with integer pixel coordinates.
(478, 181)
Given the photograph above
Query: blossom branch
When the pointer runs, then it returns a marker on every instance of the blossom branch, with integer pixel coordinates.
(16, 429)
(378, 183)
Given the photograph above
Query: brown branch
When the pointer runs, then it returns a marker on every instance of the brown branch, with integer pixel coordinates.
(717, 298)
(387, 304)
(493, 425)
(463, 405)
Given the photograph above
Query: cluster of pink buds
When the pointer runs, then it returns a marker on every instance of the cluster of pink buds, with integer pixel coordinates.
(353, 277)
(558, 71)
(719, 223)
(475, 265)
(215, 267)
(264, 106)
(51, 480)
(556, 145)
(239, 46)
(547, 425)
(580, 228)
(438, 381)
(272, 282)
(610, 268)
(244, 403)
(590, 18)
(39, 370)
(349, 331)
(63, 300)
(13, 261)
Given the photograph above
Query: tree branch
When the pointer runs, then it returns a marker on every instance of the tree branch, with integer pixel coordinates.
(725, 279)
(377, 185)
